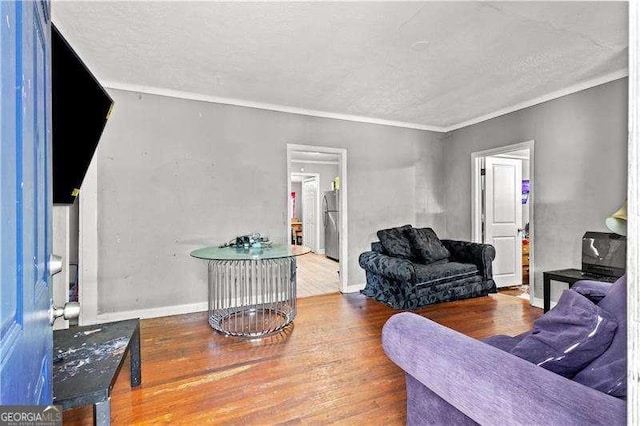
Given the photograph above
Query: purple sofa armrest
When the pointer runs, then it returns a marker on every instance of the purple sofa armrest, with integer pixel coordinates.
(488, 385)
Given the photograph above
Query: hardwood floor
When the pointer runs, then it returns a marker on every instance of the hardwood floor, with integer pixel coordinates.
(515, 290)
(317, 275)
(328, 368)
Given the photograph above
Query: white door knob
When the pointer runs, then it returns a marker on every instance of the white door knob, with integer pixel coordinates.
(71, 310)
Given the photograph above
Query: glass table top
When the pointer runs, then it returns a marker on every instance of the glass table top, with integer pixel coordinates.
(275, 251)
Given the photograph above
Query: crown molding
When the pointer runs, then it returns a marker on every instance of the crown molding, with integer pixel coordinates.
(545, 98)
(361, 119)
(261, 105)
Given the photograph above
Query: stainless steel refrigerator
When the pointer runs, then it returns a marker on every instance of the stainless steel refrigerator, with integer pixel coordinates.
(331, 215)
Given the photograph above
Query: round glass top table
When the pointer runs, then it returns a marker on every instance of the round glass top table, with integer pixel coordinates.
(252, 291)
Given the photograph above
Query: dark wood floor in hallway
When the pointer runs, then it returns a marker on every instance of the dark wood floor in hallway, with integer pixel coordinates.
(328, 368)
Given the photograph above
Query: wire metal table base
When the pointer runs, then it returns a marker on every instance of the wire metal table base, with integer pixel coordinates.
(252, 298)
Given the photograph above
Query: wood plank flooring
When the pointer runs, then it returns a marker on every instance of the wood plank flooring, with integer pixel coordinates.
(515, 290)
(328, 368)
(317, 274)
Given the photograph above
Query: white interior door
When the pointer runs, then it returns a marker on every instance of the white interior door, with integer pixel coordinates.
(309, 213)
(503, 218)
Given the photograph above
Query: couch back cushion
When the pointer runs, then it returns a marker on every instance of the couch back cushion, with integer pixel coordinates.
(377, 247)
(608, 373)
(395, 242)
(568, 337)
(426, 246)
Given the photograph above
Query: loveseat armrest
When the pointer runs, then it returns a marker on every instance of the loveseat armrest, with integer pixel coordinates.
(488, 385)
(481, 255)
(393, 268)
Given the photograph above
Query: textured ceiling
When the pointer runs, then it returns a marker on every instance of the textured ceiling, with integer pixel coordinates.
(432, 64)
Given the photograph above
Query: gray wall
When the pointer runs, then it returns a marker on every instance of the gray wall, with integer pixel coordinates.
(430, 199)
(175, 175)
(580, 169)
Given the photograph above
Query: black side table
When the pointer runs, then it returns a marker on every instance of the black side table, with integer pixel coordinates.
(570, 276)
(87, 361)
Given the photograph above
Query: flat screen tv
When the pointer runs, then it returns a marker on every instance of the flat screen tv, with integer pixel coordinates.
(604, 253)
(80, 110)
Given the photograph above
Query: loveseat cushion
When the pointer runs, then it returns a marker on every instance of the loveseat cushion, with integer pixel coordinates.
(395, 242)
(568, 337)
(481, 255)
(608, 373)
(442, 272)
(426, 246)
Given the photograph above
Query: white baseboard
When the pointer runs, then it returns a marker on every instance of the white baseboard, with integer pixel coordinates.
(163, 311)
(354, 288)
(166, 311)
(539, 303)
(321, 251)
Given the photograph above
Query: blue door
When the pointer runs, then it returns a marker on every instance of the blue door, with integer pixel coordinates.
(26, 338)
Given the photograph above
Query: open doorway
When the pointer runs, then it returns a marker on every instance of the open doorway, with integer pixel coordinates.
(502, 213)
(317, 216)
(305, 210)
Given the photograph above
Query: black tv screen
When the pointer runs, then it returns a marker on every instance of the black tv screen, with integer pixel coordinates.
(80, 109)
(604, 253)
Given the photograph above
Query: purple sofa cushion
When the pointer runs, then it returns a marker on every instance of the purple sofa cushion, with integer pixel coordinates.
(395, 242)
(505, 343)
(426, 246)
(568, 337)
(608, 373)
(592, 290)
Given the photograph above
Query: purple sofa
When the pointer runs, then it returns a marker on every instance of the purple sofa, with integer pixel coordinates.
(454, 379)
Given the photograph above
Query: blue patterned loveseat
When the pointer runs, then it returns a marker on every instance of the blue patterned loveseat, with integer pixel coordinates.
(410, 268)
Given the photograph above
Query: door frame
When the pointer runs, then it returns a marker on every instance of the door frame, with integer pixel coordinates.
(476, 199)
(88, 247)
(315, 177)
(343, 219)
